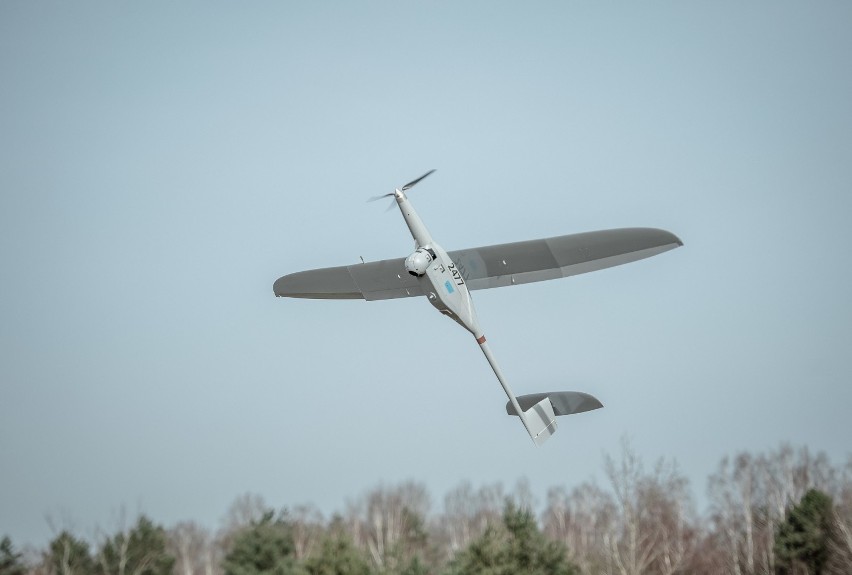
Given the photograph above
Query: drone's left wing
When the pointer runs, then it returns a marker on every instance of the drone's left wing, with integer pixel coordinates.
(486, 267)
(386, 279)
(559, 257)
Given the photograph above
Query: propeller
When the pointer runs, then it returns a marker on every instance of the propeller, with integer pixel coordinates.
(407, 186)
(412, 183)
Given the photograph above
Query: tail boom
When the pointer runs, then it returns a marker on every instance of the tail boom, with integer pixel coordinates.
(539, 419)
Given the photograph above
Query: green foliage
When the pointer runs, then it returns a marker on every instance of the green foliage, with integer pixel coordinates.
(70, 556)
(337, 556)
(263, 548)
(414, 567)
(10, 562)
(398, 564)
(415, 533)
(804, 536)
(517, 547)
(141, 551)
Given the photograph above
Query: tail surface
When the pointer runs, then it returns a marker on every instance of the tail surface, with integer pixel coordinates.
(541, 421)
(540, 410)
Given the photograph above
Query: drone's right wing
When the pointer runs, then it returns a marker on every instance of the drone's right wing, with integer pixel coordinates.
(485, 267)
(385, 279)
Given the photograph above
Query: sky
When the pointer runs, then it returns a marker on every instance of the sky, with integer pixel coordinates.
(162, 163)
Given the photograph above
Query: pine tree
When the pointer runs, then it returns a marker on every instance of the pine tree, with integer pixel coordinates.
(10, 562)
(263, 548)
(804, 536)
(337, 556)
(517, 547)
(141, 551)
(68, 555)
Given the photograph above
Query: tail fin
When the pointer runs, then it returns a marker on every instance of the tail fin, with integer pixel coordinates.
(541, 421)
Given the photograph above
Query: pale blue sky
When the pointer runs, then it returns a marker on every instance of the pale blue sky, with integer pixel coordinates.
(161, 164)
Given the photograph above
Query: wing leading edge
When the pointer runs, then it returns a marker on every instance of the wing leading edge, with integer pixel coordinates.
(486, 267)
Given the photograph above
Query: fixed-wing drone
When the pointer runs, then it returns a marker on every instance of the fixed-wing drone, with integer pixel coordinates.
(446, 278)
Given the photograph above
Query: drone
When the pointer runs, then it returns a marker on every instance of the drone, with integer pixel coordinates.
(447, 278)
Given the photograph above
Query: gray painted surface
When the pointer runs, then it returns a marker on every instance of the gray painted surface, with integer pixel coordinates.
(564, 402)
(486, 267)
(562, 256)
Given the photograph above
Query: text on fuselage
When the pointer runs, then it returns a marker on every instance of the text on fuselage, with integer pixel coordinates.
(456, 274)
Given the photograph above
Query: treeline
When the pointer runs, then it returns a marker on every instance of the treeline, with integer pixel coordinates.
(787, 511)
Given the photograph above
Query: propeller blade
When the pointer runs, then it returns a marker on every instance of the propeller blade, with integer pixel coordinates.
(407, 186)
(376, 198)
(412, 183)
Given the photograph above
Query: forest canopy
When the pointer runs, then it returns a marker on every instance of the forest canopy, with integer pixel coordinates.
(786, 511)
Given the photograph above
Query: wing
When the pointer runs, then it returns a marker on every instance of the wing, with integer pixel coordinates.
(384, 279)
(486, 267)
(559, 257)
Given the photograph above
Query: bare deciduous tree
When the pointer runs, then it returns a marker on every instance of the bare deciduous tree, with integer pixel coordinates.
(652, 529)
(750, 496)
(581, 520)
(246, 509)
(467, 514)
(307, 529)
(195, 550)
(384, 521)
(841, 546)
